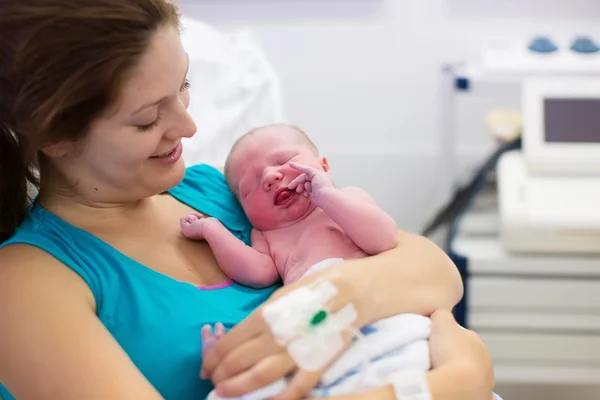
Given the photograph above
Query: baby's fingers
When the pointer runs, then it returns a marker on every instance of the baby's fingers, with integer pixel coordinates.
(219, 330)
(206, 333)
(307, 186)
(298, 183)
(310, 171)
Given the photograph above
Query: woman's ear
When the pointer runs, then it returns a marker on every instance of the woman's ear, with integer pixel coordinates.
(57, 150)
(324, 164)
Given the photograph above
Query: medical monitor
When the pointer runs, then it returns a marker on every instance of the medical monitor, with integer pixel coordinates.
(561, 125)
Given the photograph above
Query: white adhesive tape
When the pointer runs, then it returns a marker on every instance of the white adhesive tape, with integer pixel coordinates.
(313, 352)
(319, 346)
(410, 385)
(290, 314)
(311, 344)
(284, 314)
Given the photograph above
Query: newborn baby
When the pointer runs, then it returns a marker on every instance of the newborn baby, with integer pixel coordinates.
(299, 216)
(302, 222)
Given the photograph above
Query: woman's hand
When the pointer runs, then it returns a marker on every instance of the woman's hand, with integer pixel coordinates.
(248, 357)
(462, 368)
(451, 343)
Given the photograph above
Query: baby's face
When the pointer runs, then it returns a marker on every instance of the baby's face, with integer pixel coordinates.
(259, 173)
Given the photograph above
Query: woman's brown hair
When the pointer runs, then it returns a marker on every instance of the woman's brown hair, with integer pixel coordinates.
(62, 64)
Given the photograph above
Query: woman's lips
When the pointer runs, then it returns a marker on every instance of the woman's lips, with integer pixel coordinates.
(171, 156)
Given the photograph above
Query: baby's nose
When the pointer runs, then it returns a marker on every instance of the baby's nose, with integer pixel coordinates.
(271, 176)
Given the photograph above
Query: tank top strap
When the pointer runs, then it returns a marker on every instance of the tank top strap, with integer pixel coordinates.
(204, 189)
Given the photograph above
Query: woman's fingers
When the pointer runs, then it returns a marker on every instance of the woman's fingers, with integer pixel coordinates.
(251, 327)
(300, 385)
(244, 357)
(261, 374)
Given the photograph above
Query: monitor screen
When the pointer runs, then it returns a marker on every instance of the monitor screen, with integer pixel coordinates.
(572, 120)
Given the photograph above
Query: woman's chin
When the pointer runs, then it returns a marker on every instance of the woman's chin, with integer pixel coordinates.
(167, 179)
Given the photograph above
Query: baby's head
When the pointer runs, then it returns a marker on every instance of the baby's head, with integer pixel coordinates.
(258, 172)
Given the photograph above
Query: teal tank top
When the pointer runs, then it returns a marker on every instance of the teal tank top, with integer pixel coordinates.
(155, 319)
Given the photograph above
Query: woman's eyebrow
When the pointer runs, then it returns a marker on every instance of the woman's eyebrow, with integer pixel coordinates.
(157, 102)
(154, 103)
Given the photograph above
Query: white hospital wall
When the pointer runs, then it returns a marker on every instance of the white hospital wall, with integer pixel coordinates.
(363, 78)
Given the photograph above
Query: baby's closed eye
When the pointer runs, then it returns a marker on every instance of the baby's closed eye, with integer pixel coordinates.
(248, 187)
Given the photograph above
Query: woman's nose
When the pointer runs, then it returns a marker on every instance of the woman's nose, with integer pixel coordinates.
(271, 176)
(186, 127)
(183, 125)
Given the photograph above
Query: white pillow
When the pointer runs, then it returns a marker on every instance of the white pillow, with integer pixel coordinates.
(234, 89)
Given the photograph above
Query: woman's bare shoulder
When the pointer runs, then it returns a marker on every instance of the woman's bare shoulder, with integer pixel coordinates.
(15, 255)
(23, 266)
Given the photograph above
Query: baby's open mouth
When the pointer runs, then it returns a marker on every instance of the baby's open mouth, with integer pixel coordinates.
(283, 196)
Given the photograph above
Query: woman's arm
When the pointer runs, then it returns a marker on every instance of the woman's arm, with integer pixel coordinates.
(414, 277)
(52, 345)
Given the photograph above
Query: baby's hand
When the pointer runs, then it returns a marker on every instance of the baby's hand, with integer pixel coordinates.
(312, 182)
(209, 339)
(194, 225)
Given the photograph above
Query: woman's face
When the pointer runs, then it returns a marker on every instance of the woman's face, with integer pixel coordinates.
(134, 151)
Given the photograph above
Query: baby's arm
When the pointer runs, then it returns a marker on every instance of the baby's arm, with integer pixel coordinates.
(241, 263)
(359, 216)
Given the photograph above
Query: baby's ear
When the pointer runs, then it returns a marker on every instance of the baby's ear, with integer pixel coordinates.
(324, 164)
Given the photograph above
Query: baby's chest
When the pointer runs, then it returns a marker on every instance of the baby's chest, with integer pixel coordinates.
(313, 241)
